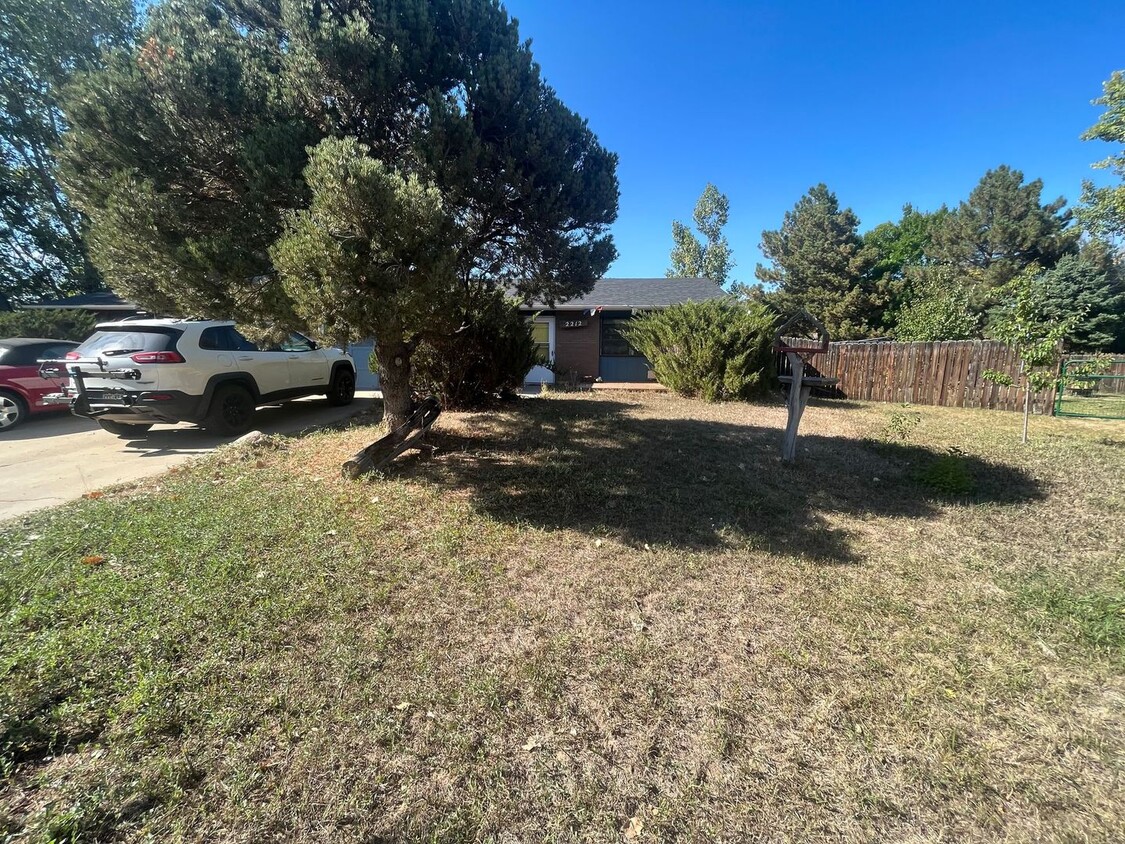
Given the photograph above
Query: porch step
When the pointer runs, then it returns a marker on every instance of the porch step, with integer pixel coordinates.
(645, 386)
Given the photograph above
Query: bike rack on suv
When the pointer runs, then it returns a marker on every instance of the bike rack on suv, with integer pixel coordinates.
(80, 402)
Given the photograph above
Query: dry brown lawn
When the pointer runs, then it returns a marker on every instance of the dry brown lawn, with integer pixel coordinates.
(585, 618)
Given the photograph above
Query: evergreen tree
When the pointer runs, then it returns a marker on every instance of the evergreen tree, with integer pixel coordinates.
(395, 159)
(43, 43)
(1089, 286)
(1002, 229)
(1103, 209)
(819, 265)
(693, 258)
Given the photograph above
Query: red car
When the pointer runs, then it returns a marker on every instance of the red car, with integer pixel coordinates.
(21, 388)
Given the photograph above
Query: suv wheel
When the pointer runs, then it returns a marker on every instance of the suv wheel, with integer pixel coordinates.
(342, 389)
(123, 429)
(231, 411)
(12, 410)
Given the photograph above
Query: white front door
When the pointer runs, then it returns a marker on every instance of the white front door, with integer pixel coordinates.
(543, 330)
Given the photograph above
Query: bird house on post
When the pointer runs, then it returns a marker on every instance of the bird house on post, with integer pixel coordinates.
(793, 338)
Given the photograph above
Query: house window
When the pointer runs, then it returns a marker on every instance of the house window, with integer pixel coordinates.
(541, 334)
(613, 344)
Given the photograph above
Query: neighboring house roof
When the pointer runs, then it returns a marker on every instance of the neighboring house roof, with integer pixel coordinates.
(642, 293)
(88, 301)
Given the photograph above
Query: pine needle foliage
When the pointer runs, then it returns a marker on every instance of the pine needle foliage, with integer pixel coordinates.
(485, 357)
(54, 325)
(715, 351)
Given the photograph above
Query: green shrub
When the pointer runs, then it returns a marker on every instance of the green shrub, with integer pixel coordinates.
(483, 356)
(53, 325)
(717, 350)
(901, 425)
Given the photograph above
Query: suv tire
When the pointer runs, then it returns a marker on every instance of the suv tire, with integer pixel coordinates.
(123, 429)
(231, 411)
(13, 410)
(342, 389)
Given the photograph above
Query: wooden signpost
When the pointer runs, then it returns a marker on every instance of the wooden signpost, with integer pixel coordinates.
(797, 350)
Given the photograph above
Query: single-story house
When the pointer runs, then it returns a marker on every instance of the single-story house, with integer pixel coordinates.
(582, 336)
(104, 306)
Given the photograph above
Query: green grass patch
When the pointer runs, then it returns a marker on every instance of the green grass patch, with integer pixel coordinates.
(947, 474)
(1095, 618)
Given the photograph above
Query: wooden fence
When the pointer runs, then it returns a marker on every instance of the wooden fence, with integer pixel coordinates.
(949, 373)
(1109, 385)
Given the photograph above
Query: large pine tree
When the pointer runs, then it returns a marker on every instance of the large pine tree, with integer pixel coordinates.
(819, 265)
(1003, 228)
(395, 159)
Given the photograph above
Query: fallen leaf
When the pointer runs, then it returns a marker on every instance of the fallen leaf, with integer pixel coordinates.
(533, 743)
(402, 706)
(94, 496)
(634, 828)
(93, 560)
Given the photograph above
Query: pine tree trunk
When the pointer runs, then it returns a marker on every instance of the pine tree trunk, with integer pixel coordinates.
(394, 380)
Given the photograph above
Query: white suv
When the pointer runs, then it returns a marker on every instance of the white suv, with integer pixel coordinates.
(133, 374)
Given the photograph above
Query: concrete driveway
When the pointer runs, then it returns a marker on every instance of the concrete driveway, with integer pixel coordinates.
(55, 458)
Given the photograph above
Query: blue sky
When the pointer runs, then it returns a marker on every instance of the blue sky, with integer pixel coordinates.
(886, 103)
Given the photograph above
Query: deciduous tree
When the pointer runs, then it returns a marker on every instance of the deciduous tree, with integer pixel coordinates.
(1023, 322)
(1103, 208)
(711, 257)
(939, 307)
(393, 159)
(898, 250)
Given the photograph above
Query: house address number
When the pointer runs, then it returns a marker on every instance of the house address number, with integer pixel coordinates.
(574, 323)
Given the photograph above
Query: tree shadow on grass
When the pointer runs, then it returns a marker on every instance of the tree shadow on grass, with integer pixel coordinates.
(597, 467)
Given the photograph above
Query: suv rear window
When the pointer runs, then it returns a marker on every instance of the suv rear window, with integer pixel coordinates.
(126, 341)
